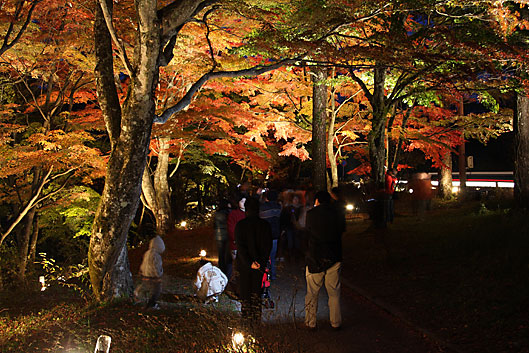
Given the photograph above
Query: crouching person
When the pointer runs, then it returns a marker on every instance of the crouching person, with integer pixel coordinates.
(210, 282)
(151, 271)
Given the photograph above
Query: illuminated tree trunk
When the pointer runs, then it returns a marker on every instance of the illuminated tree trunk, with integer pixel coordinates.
(156, 192)
(521, 152)
(319, 117)
(130, 132)
(330, 144)
(445, 182)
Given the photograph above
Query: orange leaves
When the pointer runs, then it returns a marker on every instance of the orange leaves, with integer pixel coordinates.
(292, 149)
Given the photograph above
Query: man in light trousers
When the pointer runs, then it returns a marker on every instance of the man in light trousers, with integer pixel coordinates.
(325, 226)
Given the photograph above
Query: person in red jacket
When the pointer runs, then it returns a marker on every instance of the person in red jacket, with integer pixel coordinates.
(389, 189)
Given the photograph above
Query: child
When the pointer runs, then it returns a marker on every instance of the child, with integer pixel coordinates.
(210, 282)
(151, 271)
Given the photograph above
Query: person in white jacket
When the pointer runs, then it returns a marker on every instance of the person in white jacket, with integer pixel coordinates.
(151, 271)
(210, 282)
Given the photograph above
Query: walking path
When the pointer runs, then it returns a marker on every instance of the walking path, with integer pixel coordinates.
(365, 328)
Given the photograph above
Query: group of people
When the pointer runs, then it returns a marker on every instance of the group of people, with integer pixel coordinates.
(308, 224)
(248, 237)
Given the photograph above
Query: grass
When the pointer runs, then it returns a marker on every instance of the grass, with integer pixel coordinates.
(462, 272)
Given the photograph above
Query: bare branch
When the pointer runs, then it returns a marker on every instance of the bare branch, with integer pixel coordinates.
(121, 50)
(28, 207)
(6, 45)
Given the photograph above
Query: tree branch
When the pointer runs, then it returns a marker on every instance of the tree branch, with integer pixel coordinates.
(186, 99)
(121, 50)
(5, 45)
(28, 207)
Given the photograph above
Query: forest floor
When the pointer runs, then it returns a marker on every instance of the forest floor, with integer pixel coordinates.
(455, 281)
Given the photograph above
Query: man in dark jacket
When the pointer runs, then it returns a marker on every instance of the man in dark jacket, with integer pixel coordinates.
(324, 257)
(253, 236)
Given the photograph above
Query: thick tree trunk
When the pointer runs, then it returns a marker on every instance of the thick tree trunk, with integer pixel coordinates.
(521, 152)
(130, 134)
(319, 117)
(445, 182)
(108, 260)
(377, 135)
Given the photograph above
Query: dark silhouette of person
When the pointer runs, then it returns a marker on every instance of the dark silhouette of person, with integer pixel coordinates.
(253, 236)
(324, 258)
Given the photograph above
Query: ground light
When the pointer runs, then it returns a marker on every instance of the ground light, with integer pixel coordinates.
(237, 340)
(183, 224)
(241, 343)
(42, 281)
(103, 344)
(350, 207)
(202, 253)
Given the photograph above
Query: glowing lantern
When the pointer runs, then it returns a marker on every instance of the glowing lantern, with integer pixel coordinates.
(238, 341)
(183, 224)
(202, 253)
(349, 207)
(103, 344)
(42, 281)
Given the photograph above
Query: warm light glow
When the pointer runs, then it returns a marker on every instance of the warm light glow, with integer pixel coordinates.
(350, 207)
(455, 189)
(203, 253)
(411, 191)
(183, 224)
(238, 340)
(42, 281)
(103, 344)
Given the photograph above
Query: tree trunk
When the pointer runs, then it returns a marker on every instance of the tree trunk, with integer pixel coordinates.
(330, 145)
(24, 235)
(521, 152)
(377, 135)
(34, 238)
(445, 182)
(156, 191)
(130, 134)
(23, 241)
(462, 162)
(319, 117)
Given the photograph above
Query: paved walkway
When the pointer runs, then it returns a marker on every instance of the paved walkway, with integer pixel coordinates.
(366, 327)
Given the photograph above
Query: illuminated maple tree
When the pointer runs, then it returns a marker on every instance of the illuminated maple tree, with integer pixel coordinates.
(42, 148)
